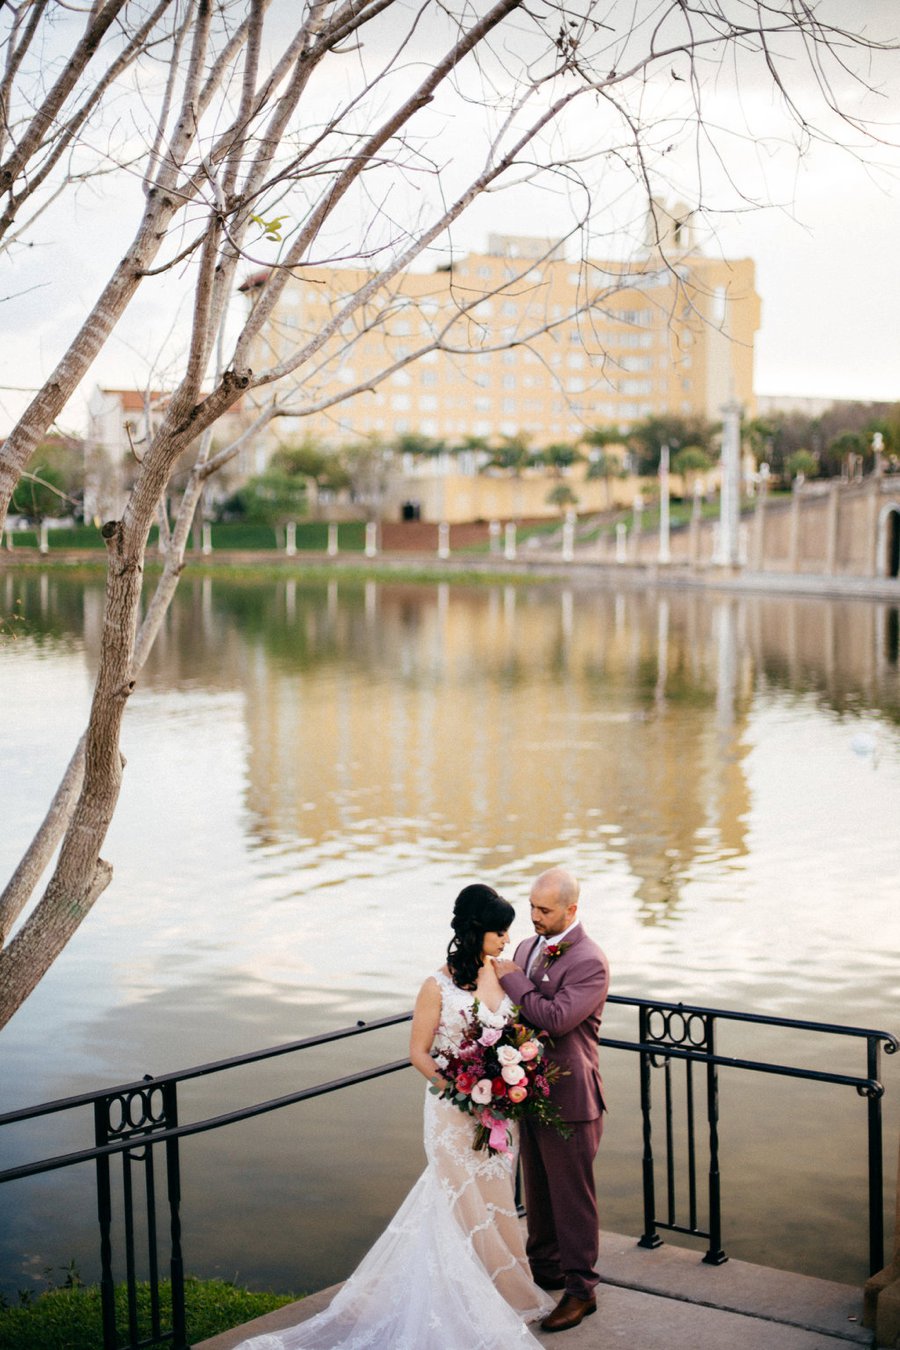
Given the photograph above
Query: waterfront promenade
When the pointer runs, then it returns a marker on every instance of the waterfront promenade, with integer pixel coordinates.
(669, 1300)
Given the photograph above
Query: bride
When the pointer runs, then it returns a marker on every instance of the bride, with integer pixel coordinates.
(450, 1271)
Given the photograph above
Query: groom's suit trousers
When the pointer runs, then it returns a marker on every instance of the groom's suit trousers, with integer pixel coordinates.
(562, 1205)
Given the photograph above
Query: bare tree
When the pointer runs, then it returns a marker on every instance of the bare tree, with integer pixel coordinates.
(281, 137)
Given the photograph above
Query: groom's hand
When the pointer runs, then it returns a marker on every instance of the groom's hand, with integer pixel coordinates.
(504, 967)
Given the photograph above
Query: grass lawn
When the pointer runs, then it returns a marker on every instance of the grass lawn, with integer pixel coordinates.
(69, 1319)
(312, 535)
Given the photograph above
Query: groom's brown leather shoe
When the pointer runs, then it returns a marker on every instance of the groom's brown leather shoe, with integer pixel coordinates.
(568, 1312)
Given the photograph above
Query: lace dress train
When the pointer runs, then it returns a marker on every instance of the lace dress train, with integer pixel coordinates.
(449, 1272)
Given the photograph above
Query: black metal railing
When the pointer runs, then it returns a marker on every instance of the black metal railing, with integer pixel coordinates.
(133, 1120)
(670, 1032)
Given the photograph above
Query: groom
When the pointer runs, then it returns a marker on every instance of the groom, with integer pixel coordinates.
(560, 981)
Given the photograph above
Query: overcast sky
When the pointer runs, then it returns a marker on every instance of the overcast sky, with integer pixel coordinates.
(826, 253)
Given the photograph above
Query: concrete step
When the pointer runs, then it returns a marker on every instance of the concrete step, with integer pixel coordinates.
(668, 1299)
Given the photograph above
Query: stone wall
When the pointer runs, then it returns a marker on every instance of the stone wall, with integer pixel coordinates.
(825, 529)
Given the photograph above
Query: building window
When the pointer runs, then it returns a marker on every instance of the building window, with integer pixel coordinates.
(400, 402)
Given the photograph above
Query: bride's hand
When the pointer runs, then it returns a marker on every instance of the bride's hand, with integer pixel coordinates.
(504, 967)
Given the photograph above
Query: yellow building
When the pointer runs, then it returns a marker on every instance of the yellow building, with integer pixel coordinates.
(519, 340)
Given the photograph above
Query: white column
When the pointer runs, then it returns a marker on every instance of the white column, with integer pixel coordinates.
(728, 554)
(637, 509)
(665, 555)
(494, 536)
(443, 540)
(621, 541)
(371, 538)
(568, 537)
(43, 545)
(332, 547)
(509, 548)
(290, 546)
(206, 538)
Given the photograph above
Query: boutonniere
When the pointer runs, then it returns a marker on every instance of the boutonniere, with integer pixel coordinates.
(554, 950)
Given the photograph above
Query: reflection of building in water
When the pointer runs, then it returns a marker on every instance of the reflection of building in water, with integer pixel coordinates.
(502, 724)
(498, 725)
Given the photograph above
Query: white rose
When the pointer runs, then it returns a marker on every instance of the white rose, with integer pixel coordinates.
(511, 1073)
(508, 1054)
(482, 1091)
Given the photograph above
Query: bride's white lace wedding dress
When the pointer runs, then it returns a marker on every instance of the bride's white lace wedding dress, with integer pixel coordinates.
(449, 1272)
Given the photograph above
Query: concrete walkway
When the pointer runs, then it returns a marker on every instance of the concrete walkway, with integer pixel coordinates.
(668, 1300)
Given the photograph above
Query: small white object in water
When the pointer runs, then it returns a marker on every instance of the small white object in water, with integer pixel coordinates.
(863, 743)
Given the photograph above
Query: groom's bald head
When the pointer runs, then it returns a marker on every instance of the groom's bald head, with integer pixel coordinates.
(554, 901)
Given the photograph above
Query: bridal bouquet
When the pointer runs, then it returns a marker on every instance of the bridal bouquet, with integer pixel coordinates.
(497, 1075)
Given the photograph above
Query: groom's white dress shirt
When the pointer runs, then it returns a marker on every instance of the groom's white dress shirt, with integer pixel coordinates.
(537, 950)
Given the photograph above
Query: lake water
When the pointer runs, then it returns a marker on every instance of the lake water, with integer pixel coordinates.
(316, 767)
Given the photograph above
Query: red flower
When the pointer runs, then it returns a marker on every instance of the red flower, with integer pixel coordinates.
(498, 1087)
(465, 1082)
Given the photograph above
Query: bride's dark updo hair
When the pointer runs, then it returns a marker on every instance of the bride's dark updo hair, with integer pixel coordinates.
(478, 910)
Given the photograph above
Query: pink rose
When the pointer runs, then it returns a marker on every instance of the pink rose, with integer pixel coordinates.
(530, 1050)
(511, 1073)
(517, 1093)
(481, 1092)
(508, 1054)
(490, 1036)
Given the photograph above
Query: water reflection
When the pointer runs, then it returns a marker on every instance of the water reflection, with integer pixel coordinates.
(315, 767)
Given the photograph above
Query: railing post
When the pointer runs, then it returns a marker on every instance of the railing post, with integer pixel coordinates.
(876, 1160)
(104, 1215)
(135, 1116)
(173, 1182)
(649, 1237)
(715, 1256)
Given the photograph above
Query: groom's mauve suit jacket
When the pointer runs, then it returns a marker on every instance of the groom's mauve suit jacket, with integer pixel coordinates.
(567, 1004)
